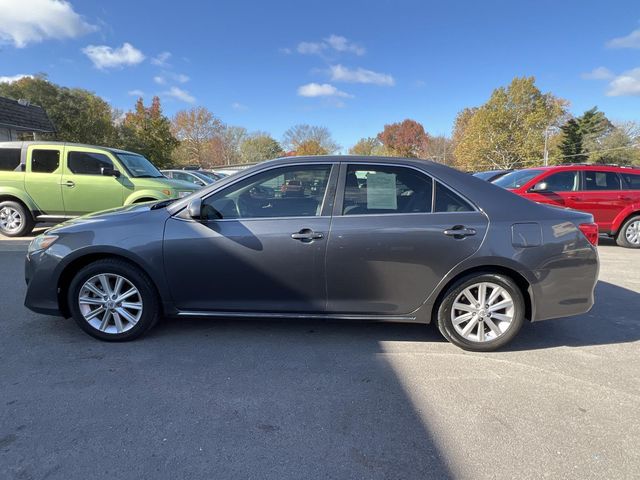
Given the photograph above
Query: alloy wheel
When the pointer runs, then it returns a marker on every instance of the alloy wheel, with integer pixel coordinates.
(110, 303)
(632, 233)
(10, 220)
(482, 312)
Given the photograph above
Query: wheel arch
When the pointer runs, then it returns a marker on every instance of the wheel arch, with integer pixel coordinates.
(73, 266)
(634, 212)
(523, 284)
(145, 196)
(16, 196)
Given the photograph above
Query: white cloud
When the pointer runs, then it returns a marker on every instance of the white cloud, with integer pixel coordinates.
(239, 106)
(14, 78)
(341, 44)
(161, 59)
(160, 80)
(629, 41)
(104, 57)
(32, 21)
(333, 42)
(310, 48)
(600, 73)
(136, 93)
(360, 75)
(321, 90)
(179, 94)
(627, 84)
(181, 78)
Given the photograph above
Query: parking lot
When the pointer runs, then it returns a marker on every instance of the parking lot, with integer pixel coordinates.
(311, 399)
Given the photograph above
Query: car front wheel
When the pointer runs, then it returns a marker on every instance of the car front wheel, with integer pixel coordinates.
(113, 300)
(629, 234)
(481, 312)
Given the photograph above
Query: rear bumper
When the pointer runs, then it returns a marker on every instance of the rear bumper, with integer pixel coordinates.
(566, 285)
(42, 289)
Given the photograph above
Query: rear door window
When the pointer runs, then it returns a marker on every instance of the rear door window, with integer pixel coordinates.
(448, 201)
(631, 181)
(9, 159)
(45, 161)
(88, 163)
(598, 180)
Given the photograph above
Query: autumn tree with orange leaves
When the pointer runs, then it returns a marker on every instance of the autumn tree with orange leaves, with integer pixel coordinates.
(404, 139)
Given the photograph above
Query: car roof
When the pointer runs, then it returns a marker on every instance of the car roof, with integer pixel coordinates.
(29, 143)
(584, 166)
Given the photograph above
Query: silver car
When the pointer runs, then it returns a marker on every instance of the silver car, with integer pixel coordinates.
(323, 237)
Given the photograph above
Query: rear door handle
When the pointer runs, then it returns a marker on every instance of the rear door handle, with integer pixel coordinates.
(460, 231)
(307, 235)
(68, 183)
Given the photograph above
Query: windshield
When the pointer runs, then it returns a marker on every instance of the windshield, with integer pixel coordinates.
(138, 166)
(517, 178)
(205, 177)
(209, 175)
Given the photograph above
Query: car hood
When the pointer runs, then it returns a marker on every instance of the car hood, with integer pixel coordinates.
(126, 213)
(162, 183)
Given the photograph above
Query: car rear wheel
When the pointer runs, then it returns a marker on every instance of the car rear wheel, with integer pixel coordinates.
(629, 234)
(113, 300)
(15, 219)
(481, 312)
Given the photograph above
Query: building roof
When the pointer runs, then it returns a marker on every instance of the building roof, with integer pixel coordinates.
(23, 116)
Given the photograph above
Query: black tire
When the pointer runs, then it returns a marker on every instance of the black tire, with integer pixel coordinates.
(26, 220)
(621, 237)
(445, 323)
(148, 295)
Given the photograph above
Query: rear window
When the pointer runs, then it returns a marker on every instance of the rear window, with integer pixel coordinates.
(9, 159)
(45, 161)
(595, 180)
(517, 178)
(631, 180)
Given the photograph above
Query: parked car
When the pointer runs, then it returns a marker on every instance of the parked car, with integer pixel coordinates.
(52, 182)
(364, 238)
(610, 193)
(491, 175)
(197, 177)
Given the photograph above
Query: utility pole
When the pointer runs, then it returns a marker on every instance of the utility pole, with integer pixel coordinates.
(546, 146)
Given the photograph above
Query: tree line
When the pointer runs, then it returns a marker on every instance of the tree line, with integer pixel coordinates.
(517, 127)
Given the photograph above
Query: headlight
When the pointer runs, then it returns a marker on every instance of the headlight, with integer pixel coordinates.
(183, 194)
(42, 242)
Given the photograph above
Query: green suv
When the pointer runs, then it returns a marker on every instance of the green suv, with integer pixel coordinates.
(51, 182)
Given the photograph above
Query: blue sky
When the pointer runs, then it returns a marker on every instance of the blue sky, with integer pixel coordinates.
(351, 66)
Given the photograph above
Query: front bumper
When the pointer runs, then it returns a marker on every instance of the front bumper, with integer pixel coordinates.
(42, 289)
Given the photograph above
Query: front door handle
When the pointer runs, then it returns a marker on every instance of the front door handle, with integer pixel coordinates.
(459, 232)
(68, 183)
(307, 235)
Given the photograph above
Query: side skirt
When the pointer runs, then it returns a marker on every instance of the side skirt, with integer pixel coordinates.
(310, 316)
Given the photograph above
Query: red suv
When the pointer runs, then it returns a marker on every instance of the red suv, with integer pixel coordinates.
(610, 193)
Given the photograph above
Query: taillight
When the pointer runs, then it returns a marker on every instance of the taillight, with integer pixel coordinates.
(590, 230)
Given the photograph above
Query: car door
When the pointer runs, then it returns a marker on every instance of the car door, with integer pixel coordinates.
(395, 234)
(43, 178)
(601, 195)
(259, 245)
(85, 188)
(561, 188)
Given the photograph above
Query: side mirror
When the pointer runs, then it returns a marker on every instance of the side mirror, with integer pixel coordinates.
(540, 187)
(194, 208)
(109, 172)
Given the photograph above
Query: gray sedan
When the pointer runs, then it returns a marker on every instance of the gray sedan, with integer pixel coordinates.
(323, 237)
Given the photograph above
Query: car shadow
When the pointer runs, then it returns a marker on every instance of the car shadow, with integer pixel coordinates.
(613, 319)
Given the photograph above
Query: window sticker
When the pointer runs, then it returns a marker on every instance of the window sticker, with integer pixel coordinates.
(381, 191)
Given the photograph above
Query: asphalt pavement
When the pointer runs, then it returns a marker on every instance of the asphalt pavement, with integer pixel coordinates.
(214, 399)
